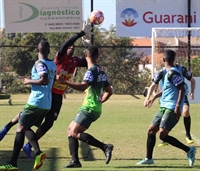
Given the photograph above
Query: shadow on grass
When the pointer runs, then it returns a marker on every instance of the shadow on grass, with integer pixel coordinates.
(13, 104)
(150, 166)
(134, 166)
(86, 152)
(136, 97)
(51, 160)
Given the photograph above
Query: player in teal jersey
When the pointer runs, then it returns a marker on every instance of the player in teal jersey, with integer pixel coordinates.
(98, 90)
(37, 106)
(167, 117)
(185, 73)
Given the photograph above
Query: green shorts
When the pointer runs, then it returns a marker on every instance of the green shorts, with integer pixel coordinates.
(32, 116)
(85, 119)
(165, 118)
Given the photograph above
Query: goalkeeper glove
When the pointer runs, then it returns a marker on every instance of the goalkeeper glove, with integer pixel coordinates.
(86, 40)
(87, 27)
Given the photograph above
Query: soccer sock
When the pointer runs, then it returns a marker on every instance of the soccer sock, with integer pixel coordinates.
(176, 143)
(187, 124)
(30, 134)
(87, 138)
(73, 148)
(151, 141)
(18, 143)
(10, 125)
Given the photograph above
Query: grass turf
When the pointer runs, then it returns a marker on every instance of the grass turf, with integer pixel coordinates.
(124, 123)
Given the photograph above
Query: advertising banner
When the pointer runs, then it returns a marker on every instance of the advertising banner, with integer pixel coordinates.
(43, 15)
(137, 17)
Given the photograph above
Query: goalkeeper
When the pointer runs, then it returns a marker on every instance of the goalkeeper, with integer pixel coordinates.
(66, 64)
(185, 73)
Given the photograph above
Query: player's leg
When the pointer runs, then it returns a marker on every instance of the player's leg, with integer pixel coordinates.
(150, 143)
(151, 139)
(76, 131)
(84, 122)
(18, 143)
(187, 120)
(9, 125)
(167, 123)
(34, 116)
(50, 117)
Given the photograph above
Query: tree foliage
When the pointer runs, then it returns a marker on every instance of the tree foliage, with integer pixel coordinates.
(194, 65)
(117, 57)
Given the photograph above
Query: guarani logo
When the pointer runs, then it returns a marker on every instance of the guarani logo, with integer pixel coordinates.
(47, 12)
(129, 15)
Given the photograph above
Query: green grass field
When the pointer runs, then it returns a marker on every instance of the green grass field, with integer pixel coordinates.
(124, 123)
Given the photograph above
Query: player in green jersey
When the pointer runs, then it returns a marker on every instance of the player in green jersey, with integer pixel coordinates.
(98, 90)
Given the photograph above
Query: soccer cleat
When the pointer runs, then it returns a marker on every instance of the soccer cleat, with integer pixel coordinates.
(162, 144)
(8, 167)
(189, 140)
(27, 150)
(39, 161)
(3, 132)
(73, 164)
(146, 161)
(108, 152)
(191, 155)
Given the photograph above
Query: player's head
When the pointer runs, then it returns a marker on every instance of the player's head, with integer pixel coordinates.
(70, 50)
(169, 56)
(92, 52)
(44, 48)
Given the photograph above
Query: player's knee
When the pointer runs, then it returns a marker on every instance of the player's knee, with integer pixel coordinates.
(162, 135)
(186, 113)
(73, 134)
(152, 130)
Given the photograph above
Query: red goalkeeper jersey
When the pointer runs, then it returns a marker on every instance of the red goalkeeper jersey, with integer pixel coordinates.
(65, 68)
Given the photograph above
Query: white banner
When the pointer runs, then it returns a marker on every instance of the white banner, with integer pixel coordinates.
(43, 15)
(137, 17)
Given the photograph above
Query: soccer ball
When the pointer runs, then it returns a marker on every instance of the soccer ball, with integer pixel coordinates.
(96, 17)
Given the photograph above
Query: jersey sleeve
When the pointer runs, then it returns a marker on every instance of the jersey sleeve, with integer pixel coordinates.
(186, 73)
(175, 78)
(88, 77)
(158, 76)
(41, 68)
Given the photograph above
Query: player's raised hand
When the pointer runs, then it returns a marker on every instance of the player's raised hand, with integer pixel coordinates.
(87, 27)
(86, 40)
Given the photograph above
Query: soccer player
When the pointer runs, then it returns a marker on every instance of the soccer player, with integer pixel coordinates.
(98, 90)
(167, 117)
(185, 73)
(66, 64)
(37, 106)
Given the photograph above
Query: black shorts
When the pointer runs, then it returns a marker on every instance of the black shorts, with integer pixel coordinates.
(55, 107)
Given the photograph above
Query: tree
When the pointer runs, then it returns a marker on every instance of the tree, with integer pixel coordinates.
(117, 57)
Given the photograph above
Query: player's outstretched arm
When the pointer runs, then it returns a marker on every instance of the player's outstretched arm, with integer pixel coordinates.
(69, 42)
